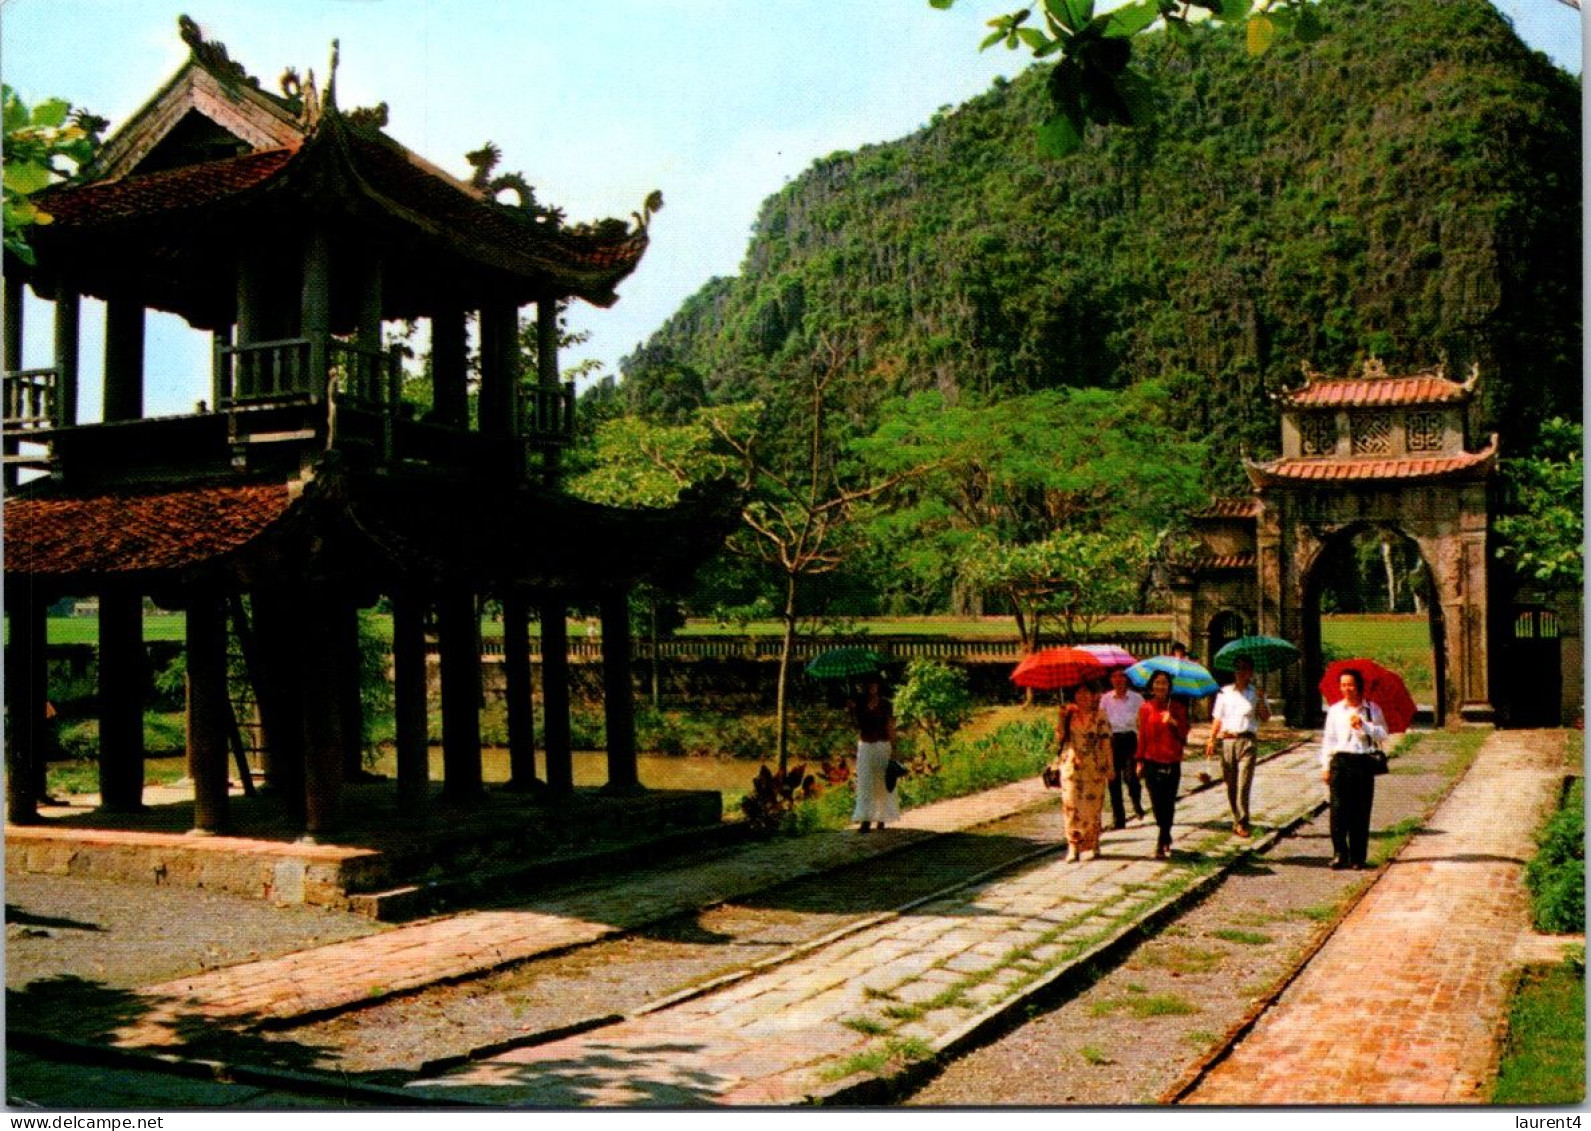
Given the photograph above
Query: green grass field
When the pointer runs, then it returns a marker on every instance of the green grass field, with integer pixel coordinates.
(1402, 643)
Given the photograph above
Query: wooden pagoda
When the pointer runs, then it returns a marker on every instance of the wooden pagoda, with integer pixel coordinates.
(306, 488)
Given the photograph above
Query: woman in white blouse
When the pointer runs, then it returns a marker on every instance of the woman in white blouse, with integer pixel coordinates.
(1354, 729)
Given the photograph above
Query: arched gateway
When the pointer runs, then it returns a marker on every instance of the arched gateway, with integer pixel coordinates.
(1372, 452)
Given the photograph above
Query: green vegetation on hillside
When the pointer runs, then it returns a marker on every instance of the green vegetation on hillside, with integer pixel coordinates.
(1407, 186)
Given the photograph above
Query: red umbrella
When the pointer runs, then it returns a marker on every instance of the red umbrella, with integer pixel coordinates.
(1384, 688)
(1058, 667)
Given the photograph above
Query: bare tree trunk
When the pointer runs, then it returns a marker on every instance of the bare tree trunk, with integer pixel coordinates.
(786, 649)
(1392, 576)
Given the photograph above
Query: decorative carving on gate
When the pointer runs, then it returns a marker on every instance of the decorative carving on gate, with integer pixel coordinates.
(1318, 434)
(1372, 433)
(1425, 431)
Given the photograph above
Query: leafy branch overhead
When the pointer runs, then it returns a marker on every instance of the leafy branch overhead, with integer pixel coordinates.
(1093, 81)
(37, 142)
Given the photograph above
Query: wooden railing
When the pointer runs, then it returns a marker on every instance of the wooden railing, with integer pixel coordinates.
(547, 415)
(259, 374)
(29, 399)
(898, 649)
(265, 373)
(365, 378)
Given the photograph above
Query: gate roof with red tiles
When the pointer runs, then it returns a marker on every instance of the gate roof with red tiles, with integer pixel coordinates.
(1329, 470)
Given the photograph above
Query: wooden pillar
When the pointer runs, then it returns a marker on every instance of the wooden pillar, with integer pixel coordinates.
(123, 678)
(324, 740)
(409, 705)
(521, 710)
(368, 336)
(67, 352)
(11, 342)
(450, 401)
(618, 693)
(314, 315)
(460, 631)
(26, 681)
(208, 713)
(11, 359)
(555, 695)
(278, 689)
(499, 368)
(124, 360)
(221, 367)
(345, 626)
(547, 375)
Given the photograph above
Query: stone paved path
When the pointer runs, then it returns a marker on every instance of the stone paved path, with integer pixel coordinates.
(1403, 1004)
(886, 993)
(362, 970)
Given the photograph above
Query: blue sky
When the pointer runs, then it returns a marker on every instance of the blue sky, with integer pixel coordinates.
(716, 102)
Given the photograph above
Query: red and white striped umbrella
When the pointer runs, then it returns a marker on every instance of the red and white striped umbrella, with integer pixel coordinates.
(1111, 655)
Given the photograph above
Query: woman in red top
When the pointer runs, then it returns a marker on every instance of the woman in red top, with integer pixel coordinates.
(1162, 730)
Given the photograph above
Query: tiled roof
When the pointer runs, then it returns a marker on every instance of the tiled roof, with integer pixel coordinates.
(1358, 470)
(1384, 392)
(136, 531)
(1230, 508)
(153, 194)
(586, 262)
(598, 260)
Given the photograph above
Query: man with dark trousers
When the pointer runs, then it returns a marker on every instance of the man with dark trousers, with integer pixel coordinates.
(1120, 705)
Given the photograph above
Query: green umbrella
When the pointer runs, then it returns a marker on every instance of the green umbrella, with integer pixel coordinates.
(1268, 653)
(842, 663)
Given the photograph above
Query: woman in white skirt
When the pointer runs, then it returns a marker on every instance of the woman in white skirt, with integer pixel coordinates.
(875, 727)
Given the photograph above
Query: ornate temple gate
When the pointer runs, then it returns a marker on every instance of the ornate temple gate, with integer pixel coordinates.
(1371, 452)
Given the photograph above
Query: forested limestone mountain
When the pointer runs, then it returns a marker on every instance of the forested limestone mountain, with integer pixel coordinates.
(1408, 187)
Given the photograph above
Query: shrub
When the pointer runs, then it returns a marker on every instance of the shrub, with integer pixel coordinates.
(934, 699)
(772, 800)
(1015, 751)
(1556, 876)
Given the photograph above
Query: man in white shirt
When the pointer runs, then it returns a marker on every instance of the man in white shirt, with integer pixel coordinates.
(1120, 705)
(1235, 721)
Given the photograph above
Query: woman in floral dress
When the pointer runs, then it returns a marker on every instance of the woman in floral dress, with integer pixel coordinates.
(1086, 769)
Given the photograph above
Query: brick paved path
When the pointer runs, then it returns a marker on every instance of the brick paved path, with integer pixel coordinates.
(1403, 1004)
(405, 958)
(883, 994)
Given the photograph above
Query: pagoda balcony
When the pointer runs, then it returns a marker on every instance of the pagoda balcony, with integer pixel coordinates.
(547, 413)
(275, 404)
(306, 371)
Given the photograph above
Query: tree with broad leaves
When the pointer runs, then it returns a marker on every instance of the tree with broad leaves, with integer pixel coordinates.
(1074, 578)
(1093, 80)
(1545, 539)
(1012, 471)
(43, 146)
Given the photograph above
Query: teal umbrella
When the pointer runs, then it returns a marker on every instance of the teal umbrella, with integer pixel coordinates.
(1187, 678)
(1269, 653)
(843, 663)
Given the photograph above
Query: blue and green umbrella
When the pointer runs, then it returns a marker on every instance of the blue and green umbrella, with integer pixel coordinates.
(1187, 678)
(1269, 653)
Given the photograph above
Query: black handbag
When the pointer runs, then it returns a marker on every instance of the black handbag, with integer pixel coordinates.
(1378, 761)
(892, 774)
